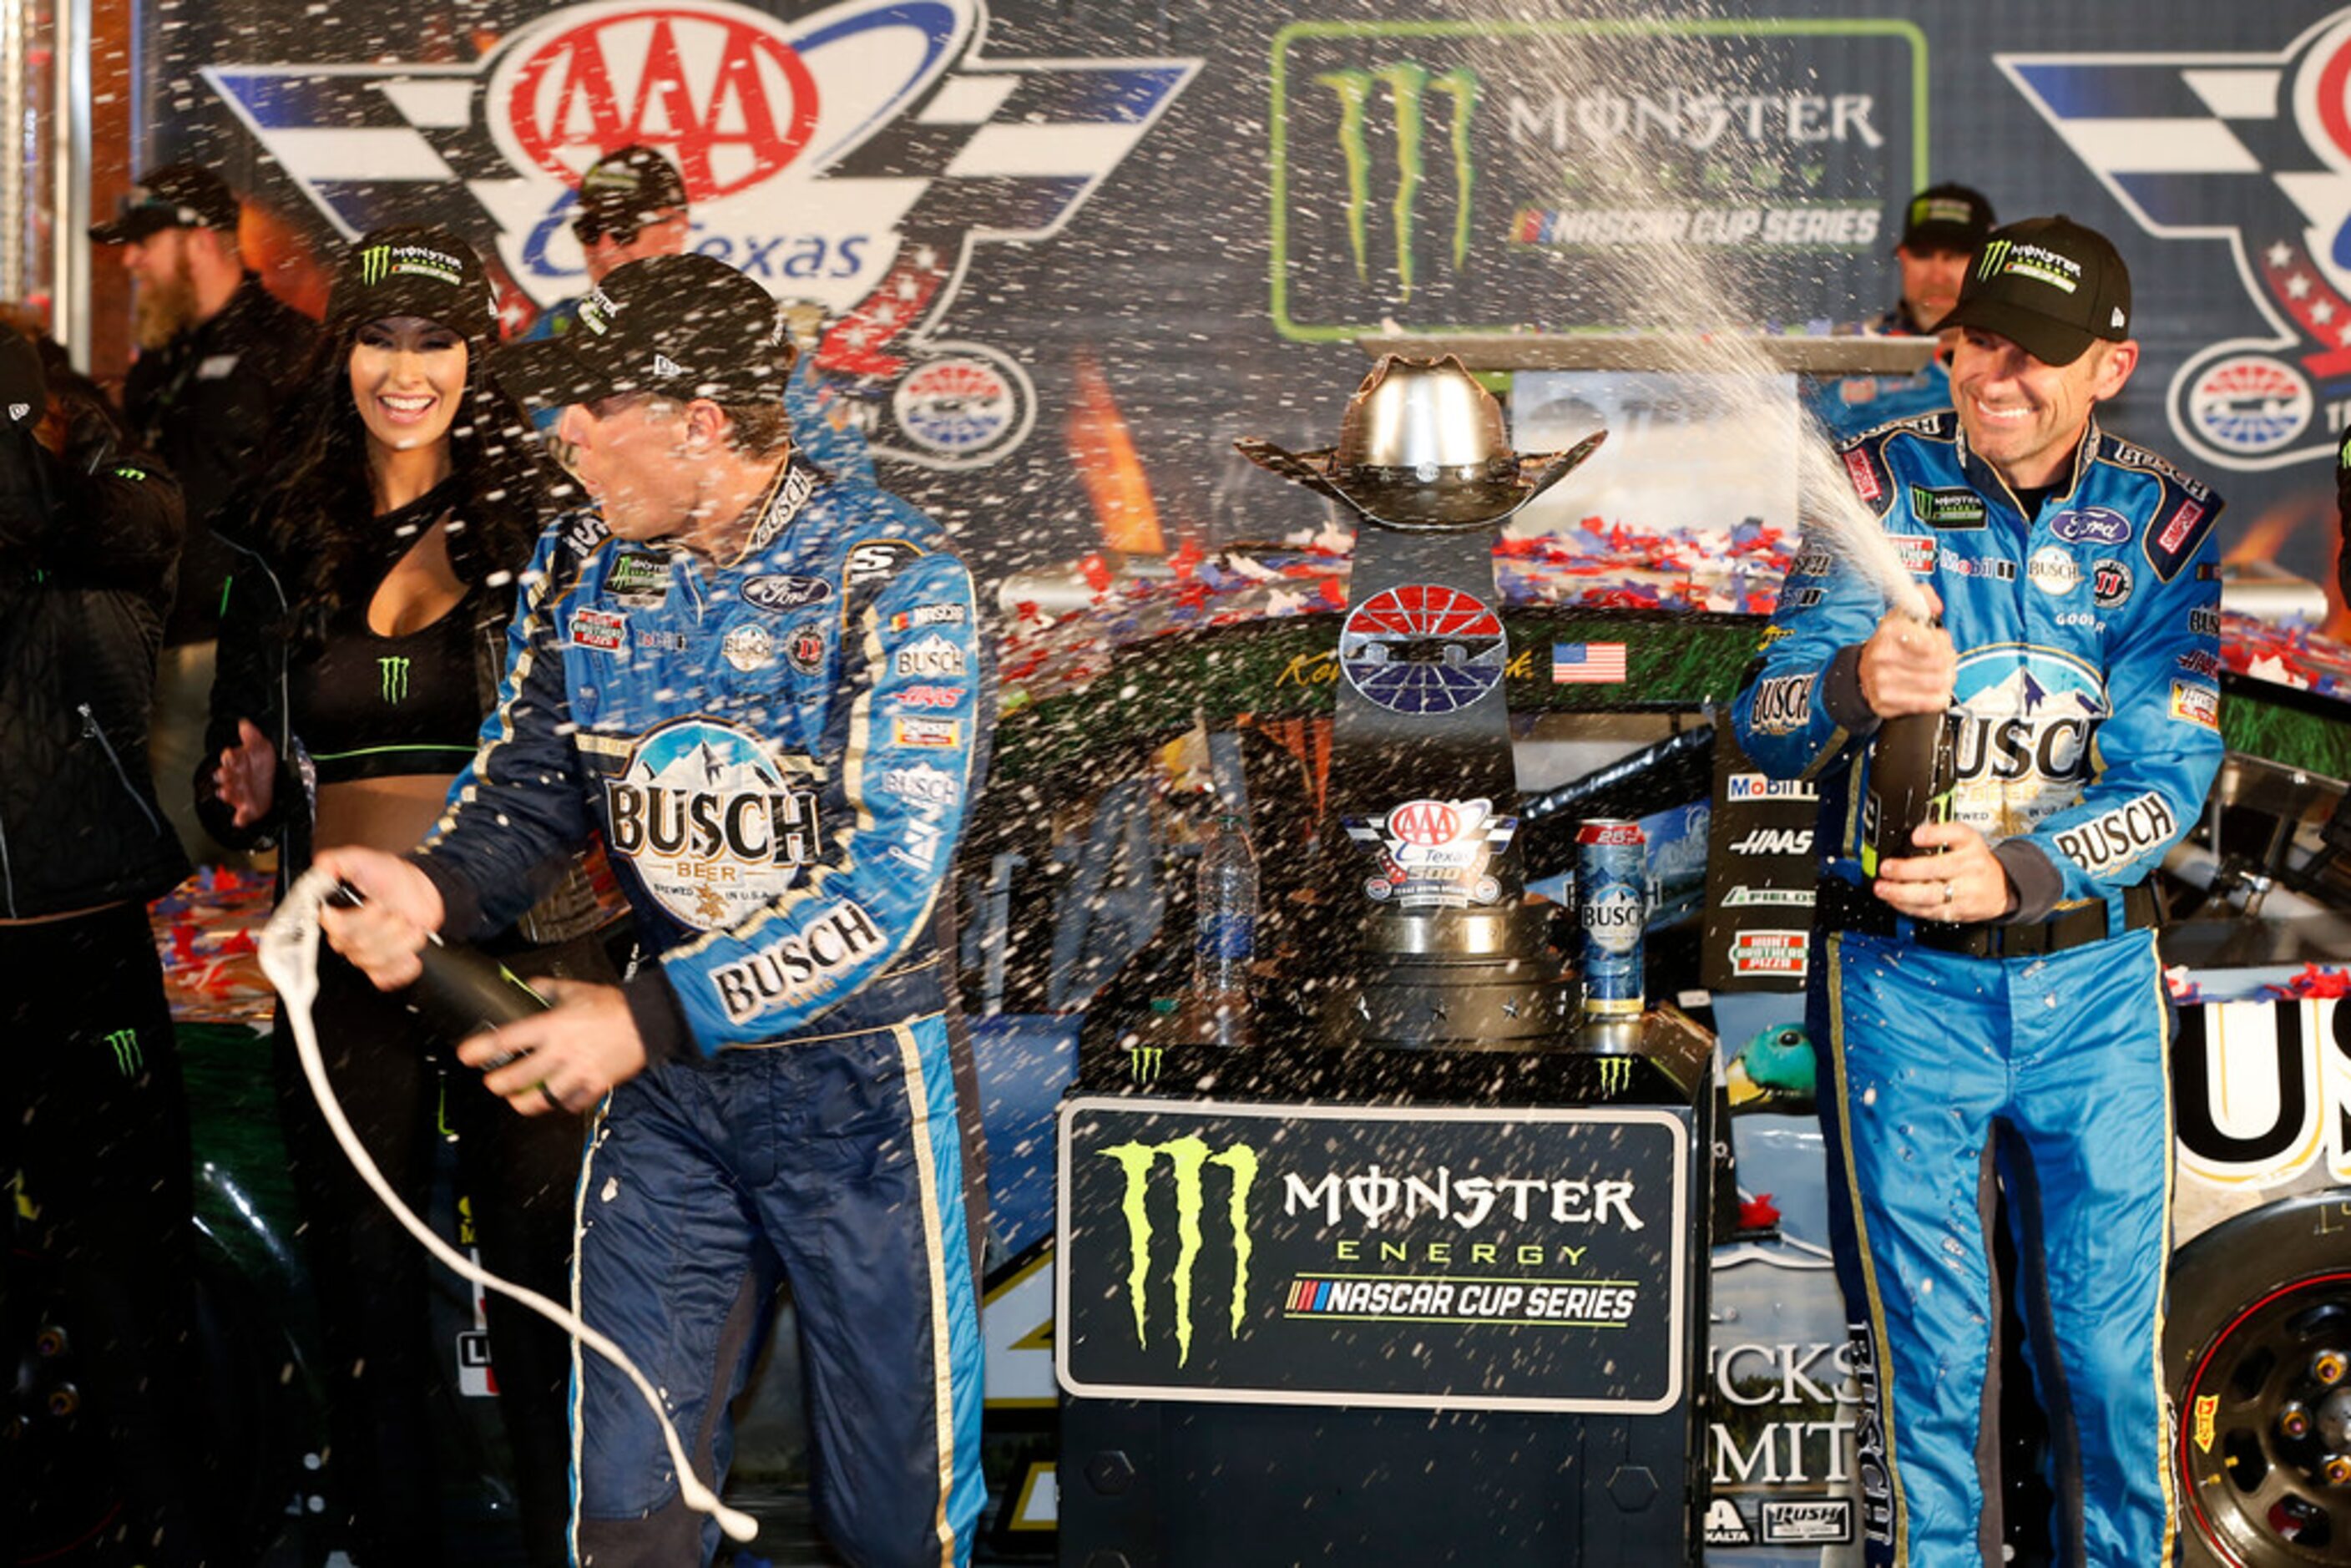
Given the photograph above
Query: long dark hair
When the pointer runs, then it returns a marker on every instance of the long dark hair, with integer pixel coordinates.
(318, 509)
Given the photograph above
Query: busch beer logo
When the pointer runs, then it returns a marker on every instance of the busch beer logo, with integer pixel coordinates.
(2263, 1093)
(1613, 921)
(2112, 840)
(2249, 146)
(1782, 705)
(800, 967)
(712, 826)
(2022, 746)
(765, 119)
(1188, 1158)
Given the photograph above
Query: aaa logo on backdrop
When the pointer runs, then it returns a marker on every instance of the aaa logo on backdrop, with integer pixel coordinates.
(2253, 149)
(856, 156)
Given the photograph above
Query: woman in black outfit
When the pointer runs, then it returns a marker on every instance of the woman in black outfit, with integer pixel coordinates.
(362, 642)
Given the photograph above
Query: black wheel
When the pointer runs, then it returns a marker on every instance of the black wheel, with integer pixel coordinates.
(2257, 1351)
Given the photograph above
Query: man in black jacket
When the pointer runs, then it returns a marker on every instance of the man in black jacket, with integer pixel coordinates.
(218, 357)
(93, 1123)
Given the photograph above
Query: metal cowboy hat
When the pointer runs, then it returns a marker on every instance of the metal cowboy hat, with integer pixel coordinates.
(1422, 446)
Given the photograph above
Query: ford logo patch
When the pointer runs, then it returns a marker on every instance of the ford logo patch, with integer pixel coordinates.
(2093, 523)
(787, 592)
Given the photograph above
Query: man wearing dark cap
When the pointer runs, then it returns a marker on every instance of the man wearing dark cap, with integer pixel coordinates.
(1941, 228)
(218, 355)
(766, 688)
(631, 204)
(1989, 994)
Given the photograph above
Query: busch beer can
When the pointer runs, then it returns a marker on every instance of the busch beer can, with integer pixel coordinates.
(1612, 903)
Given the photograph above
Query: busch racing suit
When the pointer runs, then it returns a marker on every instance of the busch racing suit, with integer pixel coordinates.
(2086, 723)
(779, 751)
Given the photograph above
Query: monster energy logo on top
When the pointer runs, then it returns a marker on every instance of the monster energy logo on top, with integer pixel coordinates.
(1409, 87)
(394, 671)
(1440, 167)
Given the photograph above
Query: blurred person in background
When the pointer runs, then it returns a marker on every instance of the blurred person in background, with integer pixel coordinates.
(363, 641)
(1942, 226)
(94, 1151)
(217, 356)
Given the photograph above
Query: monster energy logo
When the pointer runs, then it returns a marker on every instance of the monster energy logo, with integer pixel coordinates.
(1143, 1063)
(1616, 1074)
(1995, 256)
(375, 264)
(124, 1043)
(1187, 1156)
(1409, 85)
(395, 679)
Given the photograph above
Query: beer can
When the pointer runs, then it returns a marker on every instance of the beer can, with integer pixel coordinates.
(1612, 903)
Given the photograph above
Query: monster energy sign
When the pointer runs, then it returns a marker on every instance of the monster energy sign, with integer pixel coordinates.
(1438, 173)
(1434, 1258)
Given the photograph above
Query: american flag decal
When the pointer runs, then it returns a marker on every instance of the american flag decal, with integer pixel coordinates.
(1587, 664)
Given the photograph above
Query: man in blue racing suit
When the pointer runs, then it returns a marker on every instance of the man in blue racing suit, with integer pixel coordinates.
(1994, 1002)
(1941, 226)
(765, 688)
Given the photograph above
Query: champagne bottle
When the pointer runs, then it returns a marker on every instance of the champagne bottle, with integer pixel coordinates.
(461, 990)
(1911, 782)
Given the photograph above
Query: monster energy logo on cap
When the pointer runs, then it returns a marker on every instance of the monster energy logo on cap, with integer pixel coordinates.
(1188, 1157)
(124, 1043)
(380, 262)
(1408, 86)
(394, 671)
(2006, 258)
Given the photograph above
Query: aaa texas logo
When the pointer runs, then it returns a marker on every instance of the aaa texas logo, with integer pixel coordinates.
(856, 156)
(2254, 150)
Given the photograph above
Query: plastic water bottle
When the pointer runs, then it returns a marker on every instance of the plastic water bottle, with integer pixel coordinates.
(1225, 937)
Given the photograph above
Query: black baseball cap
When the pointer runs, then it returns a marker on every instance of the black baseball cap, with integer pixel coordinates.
(414, 269)
(1946, 218)
(685, 327)
(176, 196)
(2048, 285)
(627, 189)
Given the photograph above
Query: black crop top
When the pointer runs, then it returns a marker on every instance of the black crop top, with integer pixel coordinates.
(370, 707)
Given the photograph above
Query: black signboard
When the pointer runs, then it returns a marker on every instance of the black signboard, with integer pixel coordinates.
(1434, 1258)
(1761, 868)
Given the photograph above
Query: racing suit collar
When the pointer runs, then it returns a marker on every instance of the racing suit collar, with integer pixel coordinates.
(794, 483)
(1986, 479)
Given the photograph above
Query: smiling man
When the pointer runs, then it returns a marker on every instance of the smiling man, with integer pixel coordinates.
(1993, 1003)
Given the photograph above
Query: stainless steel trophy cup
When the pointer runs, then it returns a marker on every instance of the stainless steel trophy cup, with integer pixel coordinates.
(1451, 956)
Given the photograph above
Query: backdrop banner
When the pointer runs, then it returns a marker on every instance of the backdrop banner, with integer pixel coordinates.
(1069, 249)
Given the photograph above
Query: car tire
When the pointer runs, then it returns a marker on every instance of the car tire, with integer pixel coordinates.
(2257, 1356)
